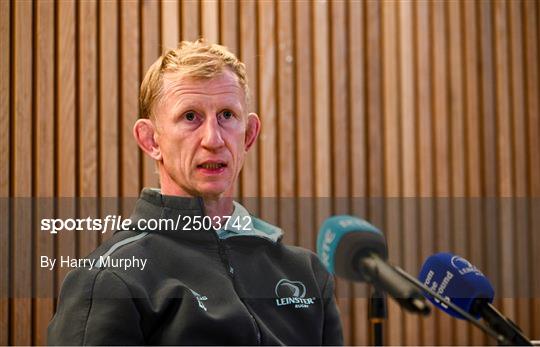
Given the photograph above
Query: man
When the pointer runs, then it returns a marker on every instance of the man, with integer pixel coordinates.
(219, 277)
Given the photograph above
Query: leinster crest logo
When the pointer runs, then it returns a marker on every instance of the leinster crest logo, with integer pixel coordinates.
(292, 293)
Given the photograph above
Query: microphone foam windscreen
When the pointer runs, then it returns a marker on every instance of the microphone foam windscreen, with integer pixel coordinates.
(457, 279)
(342, 238)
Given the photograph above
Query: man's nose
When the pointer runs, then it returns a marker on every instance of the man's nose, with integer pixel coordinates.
(212, 136)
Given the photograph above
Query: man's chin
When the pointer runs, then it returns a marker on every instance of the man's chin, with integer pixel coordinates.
(213, 191)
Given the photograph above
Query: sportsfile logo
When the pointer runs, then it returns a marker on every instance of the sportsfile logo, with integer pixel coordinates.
(292, 293)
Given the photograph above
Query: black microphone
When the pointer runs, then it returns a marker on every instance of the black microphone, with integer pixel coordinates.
(356, 250)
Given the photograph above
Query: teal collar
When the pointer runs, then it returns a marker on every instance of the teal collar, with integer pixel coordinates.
(243, 224)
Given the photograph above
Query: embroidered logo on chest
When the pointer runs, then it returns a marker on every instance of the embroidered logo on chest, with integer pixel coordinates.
(200, 298)
(292, 293)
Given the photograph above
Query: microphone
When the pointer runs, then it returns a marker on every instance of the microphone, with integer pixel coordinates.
(355, 250)
(464, 285)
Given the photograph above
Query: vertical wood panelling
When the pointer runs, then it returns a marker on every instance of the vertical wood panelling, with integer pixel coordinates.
(357, 153)
(87, 118)
(44, 147)
(357, 103)
(339, 112)
(150, 51)
(22, 172)
(504, 158)
(520, 183)
(267, 109)
(259, 164)
(170, 26)
(491, 112)
(190, 22)
(532, 23)
(339, 154)
(456, 145)
(66, 131)
(321, 98)
(304, 124)
(391, 120)
(321, 119)
(489, 174)
(532, 32)
(286, 119)
(441, 151)
(129, 91)
(108, 99)
(472, 144)
(321, 123)
(5, 93)
(374, 108)
(425, 149)
(376, 114)
(65, 80)
(5, 164)
(249, 176)
(391, 102)
(228, 25)
(420, 116)
(407, 154)
(228, 33)
(456, 128)
(87, 98)
(407, 103)
(285, 99)
(109, 148)
(210, 20)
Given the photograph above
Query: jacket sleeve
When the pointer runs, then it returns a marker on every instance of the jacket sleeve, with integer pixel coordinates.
(332, 330)
(95, 308)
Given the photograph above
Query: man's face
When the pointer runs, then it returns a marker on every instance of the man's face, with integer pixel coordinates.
(202, 131)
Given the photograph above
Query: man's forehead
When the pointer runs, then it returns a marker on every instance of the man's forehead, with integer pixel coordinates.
(180, 91)
(225, 82)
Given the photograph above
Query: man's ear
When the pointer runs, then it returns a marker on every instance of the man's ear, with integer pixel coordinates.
(253, 127)
(144, 133)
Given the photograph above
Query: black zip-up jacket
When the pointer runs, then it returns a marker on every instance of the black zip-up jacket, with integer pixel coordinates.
(196, 289)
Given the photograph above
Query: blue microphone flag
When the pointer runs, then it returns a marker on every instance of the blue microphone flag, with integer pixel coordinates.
(456, 279)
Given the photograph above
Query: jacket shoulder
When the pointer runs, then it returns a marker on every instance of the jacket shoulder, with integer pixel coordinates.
(120, 242)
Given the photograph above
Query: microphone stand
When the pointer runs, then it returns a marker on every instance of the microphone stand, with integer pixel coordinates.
(500, 323)
(377, 315)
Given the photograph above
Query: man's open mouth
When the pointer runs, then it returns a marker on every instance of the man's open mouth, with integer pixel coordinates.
(212, 166)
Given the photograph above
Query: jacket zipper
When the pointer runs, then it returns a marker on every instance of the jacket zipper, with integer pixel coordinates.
(230, 271)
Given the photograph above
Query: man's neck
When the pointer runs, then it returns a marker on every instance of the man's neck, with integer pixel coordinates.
(218, 207)
(214, 206)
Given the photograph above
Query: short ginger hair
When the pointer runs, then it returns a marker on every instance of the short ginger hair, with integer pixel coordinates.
(197, 59)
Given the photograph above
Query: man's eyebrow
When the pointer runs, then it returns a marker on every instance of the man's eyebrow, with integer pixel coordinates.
(186, 104)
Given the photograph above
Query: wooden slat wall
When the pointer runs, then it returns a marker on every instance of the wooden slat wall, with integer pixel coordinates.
(358, 99)
(5, 160)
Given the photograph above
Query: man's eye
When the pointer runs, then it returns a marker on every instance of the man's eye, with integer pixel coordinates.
(227, 114)
(190, 116)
